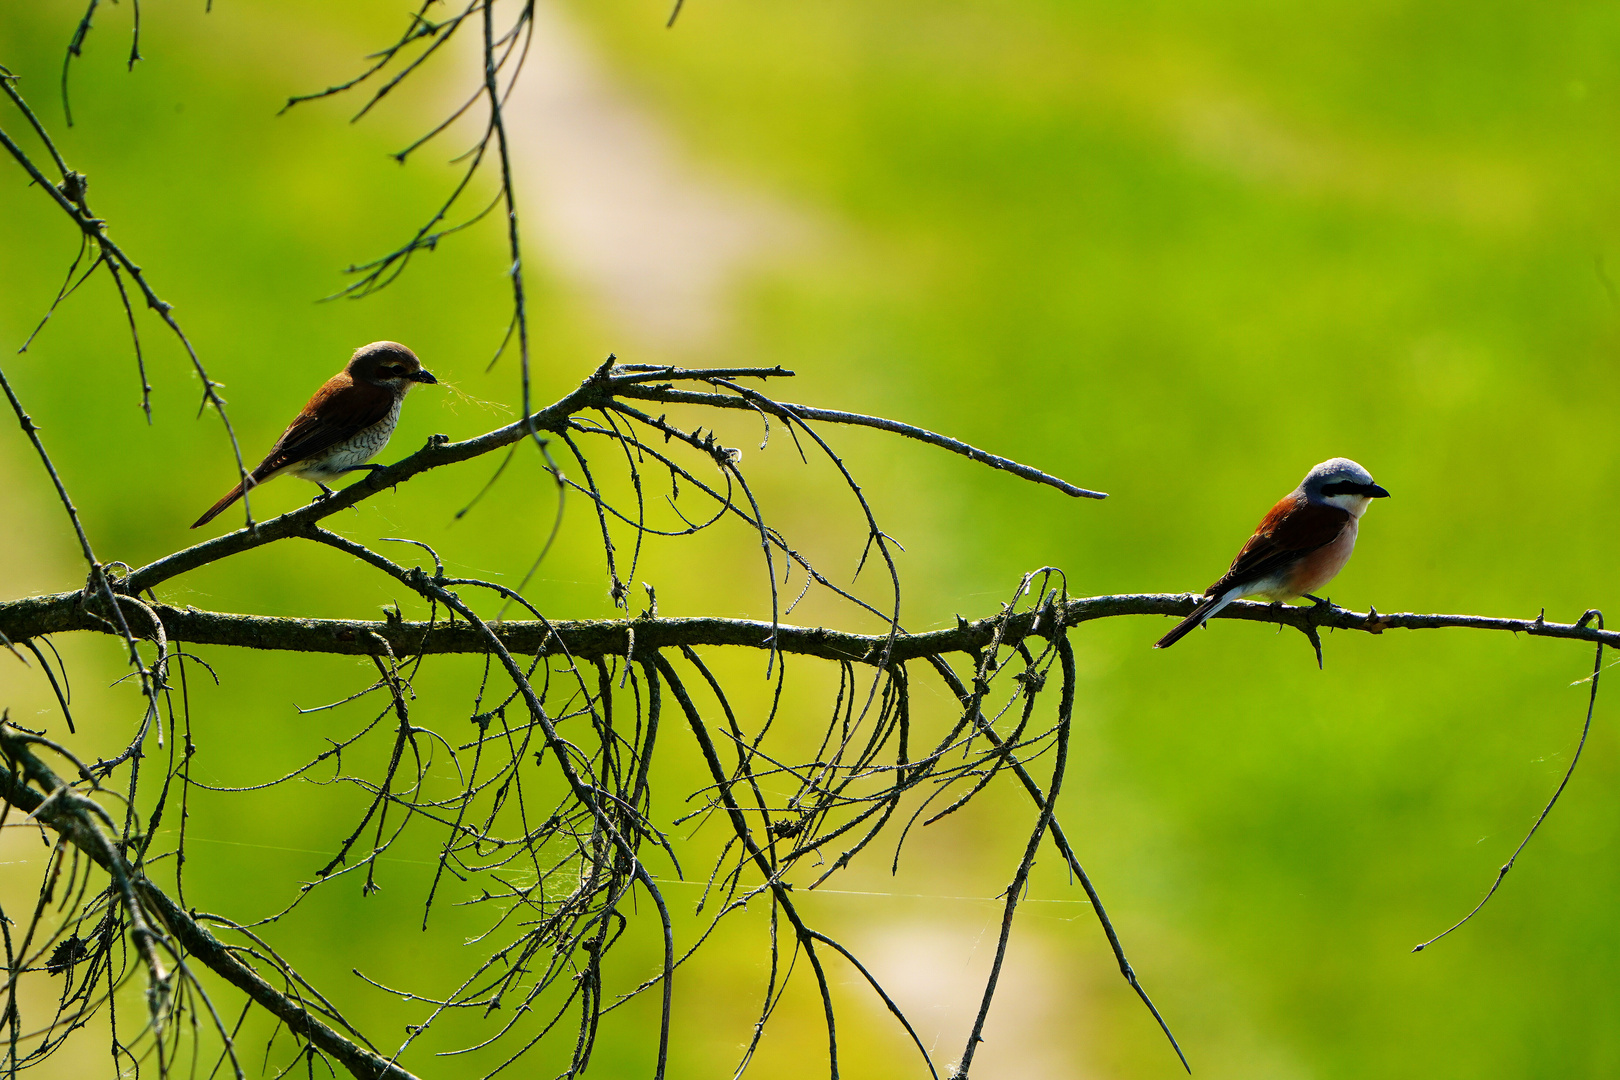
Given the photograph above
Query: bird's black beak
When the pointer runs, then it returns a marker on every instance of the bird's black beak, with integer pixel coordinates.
(424, 375)
(1373, 491)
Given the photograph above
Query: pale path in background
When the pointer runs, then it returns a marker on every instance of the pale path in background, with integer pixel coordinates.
(659, 245)
(621, 212)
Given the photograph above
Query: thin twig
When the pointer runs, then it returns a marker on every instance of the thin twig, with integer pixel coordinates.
(1586, 729)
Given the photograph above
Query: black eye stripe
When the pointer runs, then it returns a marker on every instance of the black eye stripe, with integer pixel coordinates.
(1349, 487)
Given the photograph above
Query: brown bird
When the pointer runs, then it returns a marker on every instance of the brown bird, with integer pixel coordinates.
(1298, 547)
(345, 425)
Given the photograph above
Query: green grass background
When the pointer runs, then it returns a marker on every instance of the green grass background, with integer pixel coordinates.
(1175, 251)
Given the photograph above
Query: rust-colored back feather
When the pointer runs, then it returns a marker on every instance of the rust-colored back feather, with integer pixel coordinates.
(339, 410)
(1292, 529)
(336, 412)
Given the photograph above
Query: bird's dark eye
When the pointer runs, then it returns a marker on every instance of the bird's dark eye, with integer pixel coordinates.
(396, 371)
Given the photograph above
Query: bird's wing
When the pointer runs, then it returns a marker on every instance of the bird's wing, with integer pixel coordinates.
(339, 410)
(1294, 528)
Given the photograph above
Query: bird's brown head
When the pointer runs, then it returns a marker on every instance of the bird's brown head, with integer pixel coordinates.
(388, 364)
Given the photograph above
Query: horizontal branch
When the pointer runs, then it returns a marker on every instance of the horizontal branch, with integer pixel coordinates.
(34, 616)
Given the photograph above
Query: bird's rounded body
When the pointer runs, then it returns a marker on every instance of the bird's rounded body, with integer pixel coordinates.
(344, 425)
(349, 454)
(1320, 566)
(1311, 571)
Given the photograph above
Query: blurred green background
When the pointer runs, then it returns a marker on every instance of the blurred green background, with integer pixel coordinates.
(1178, 252)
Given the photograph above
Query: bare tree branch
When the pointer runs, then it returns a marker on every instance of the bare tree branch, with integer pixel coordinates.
(747, 399)
(36, 616)
(75, 817)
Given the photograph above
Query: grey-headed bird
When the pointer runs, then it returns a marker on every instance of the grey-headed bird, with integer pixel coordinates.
(1298, 547)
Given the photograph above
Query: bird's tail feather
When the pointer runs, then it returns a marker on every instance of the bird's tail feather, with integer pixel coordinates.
(1200, 615)
(214, 511)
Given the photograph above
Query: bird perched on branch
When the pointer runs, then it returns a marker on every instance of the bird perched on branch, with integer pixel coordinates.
(345, 425)
(1298, 547)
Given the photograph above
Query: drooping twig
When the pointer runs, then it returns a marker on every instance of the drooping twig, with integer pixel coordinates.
(749, 400)
(1586, 729)
(70, 196)
(75, 820)
(1048, 805)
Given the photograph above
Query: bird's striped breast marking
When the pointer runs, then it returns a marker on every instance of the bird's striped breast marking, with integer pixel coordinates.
(357, 449)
